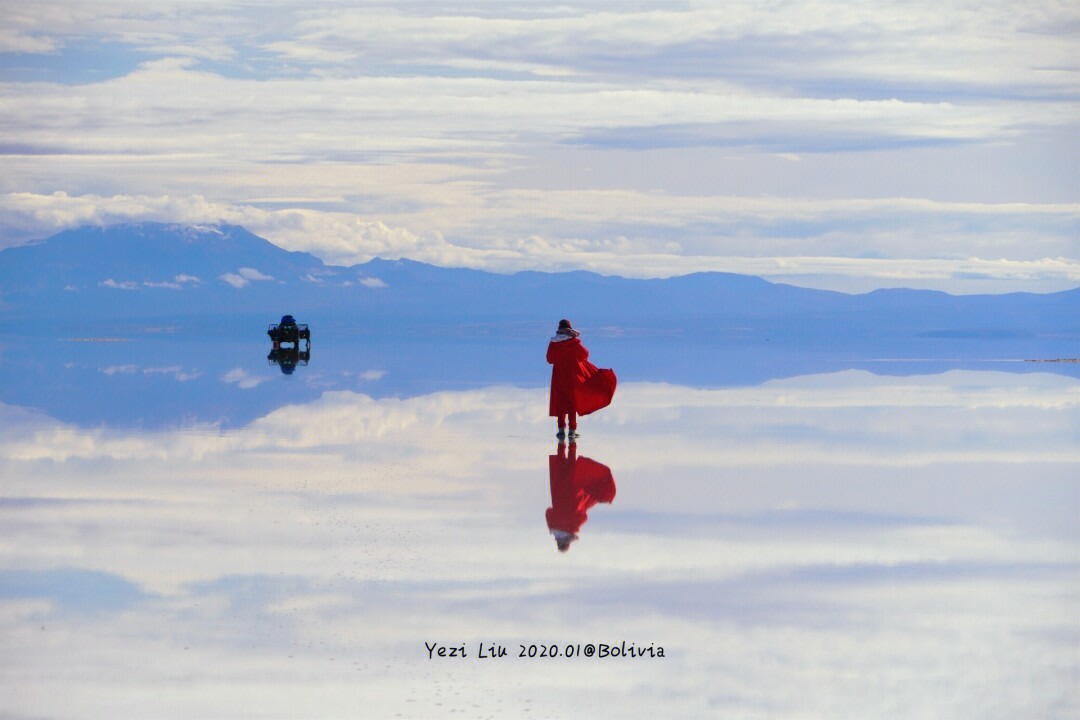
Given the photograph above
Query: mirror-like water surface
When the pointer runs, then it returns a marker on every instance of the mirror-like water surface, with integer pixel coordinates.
(828, 545)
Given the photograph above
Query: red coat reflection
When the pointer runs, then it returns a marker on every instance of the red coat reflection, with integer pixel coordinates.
(576, 485)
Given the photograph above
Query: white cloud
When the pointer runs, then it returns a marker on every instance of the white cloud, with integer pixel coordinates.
(119, 369)
(948, 42)
(243, 378)
(995, 45)
(121, 285)
(431, 114)
(309, 53)
(252, 274)
(17, 42)
(243, 276)
(235, 280)
(207, 49)
(176, 371)
(372, 282)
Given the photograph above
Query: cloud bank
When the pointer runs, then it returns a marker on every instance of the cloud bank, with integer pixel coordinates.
(640, 141)
(919, 529)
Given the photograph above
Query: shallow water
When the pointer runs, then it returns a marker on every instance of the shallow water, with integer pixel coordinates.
(225, 540)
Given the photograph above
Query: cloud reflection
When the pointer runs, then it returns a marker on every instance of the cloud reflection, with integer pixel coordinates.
(844, 531)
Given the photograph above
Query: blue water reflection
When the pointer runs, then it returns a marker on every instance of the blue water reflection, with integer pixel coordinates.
(163, 378)
(246, 543)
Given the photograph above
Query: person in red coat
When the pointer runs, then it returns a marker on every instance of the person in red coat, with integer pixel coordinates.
(576, 485)
(577, 386)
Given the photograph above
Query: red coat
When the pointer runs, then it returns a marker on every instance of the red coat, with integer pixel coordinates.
(576, 384)
(576, 485)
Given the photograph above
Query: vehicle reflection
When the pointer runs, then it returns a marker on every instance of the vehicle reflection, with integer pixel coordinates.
(287, 358)
(577, 484)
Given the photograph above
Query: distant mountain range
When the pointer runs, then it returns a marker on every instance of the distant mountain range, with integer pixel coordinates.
(191, 305)
(223, 275)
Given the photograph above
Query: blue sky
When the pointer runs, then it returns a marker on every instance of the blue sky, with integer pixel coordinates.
(829, 144)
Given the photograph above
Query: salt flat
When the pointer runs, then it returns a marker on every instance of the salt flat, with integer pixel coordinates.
(840, 545)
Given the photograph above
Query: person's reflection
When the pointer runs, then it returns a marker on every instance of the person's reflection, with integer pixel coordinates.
(576, 485)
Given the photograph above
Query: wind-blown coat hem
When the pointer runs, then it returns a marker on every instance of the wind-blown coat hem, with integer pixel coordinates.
(577, 385)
